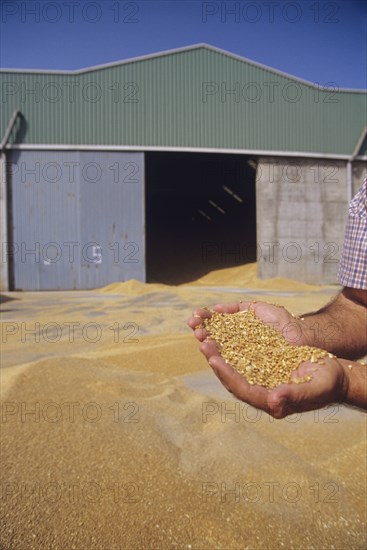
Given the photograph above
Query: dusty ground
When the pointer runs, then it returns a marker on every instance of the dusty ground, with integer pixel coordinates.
(115, 434)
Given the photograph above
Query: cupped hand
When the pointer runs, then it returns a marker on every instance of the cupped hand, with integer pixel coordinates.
(328, 385)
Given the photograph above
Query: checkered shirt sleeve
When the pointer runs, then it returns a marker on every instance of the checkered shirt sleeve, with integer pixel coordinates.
(353, 263)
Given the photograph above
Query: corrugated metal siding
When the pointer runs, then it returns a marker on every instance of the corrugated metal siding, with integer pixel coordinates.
(82, 215)
(159, 102)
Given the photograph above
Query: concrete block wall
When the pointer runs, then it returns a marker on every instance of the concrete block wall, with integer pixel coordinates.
(302, 207)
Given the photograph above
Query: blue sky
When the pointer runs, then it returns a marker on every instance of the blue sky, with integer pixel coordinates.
(320, 41)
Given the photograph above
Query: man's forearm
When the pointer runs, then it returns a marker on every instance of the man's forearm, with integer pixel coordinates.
(341, 326)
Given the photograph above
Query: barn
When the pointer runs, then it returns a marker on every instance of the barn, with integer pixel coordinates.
(164, 167)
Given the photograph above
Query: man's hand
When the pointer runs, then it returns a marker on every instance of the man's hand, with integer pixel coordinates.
(338, 380)
(329, 384)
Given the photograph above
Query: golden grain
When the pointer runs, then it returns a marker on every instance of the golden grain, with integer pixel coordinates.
(257, 351)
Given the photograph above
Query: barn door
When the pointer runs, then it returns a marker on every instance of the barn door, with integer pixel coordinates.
(111, 218)
(77, 219)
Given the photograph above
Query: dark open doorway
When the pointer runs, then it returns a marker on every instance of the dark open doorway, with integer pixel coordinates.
(200, 214)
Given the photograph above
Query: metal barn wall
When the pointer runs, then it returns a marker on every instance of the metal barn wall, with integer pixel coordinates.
(77, 219)
(195, 97)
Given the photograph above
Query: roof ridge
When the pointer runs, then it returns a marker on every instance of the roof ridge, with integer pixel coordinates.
(182, 49)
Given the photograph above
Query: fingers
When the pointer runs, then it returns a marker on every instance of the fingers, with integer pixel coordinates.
(279, 401)
(210, 349)
(197, 317)
(200, 334)
(222, 371)
(263, 310)
(233, 307)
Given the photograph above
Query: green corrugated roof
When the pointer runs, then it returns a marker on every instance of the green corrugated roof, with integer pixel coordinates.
(195, 97)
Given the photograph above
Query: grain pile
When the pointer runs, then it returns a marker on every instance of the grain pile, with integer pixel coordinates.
(257, 351)
(66, 474)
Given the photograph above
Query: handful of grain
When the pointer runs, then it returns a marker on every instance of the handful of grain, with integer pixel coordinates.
(257, 351)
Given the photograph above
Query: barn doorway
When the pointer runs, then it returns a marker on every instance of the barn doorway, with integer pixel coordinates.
(200, 214)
